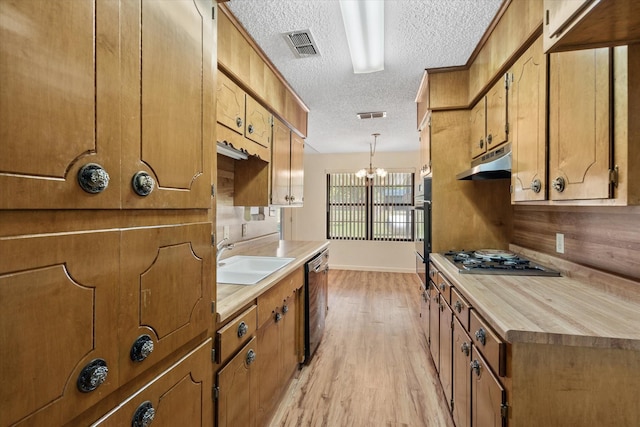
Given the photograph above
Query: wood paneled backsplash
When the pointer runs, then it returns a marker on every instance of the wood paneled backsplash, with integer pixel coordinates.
(605, 238)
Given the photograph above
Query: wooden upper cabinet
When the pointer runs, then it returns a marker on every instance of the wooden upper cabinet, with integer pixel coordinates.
(579, 125)
(234, 53)
(478, 128)
(230, 104)
(73, 105)
(59, 314)
(258, 123)
(527, 119)
(60, 84)
(497, 129)
(167, 58)
(425, 146)
(583, 24)
(287, 166)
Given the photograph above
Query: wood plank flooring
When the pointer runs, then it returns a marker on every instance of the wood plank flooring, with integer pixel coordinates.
(372, 367)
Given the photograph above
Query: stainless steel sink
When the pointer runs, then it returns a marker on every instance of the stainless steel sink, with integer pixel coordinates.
(248, 270)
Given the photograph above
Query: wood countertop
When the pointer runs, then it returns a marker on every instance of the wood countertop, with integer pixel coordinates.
(231, 298)
(550, 310)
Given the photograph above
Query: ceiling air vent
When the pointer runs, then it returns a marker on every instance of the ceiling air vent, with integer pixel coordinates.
(302, 43)
(372, 115)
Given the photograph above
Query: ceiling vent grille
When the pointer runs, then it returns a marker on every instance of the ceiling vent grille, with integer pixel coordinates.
(301, 43)
(372, 115)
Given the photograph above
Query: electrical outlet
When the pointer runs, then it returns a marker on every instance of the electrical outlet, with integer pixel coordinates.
(560, 243)
(225, 232)
(244, 230)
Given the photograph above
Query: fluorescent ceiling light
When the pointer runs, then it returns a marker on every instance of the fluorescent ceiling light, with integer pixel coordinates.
(364, 24)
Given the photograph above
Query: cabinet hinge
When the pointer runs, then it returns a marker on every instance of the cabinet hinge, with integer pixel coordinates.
(451, 402)
(216, 392)
(213, 355)
(213, 190)
(213, 239)
(613, 176)
(213, 307)
(213, 12)
(504, 410)
(506, 81)
(506, 128)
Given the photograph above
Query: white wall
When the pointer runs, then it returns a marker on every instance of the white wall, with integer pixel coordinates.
(309, 222)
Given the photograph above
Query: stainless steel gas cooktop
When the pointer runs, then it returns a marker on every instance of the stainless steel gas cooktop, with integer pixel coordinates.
(494, 261)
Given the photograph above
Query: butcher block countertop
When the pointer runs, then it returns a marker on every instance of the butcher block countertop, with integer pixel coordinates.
(572, 311)
(232, 298)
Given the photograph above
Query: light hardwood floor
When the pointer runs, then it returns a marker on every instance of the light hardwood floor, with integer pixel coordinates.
(372, 366)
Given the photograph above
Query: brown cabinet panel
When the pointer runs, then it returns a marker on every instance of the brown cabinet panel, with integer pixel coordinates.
(477, 119)
(230, 337)
(287, 166)
(59, 296)
(487, 394)
(237, 387)
(230, 104)
(60, 82)
(527, 117)
(168, 102)
(461, 308)
(179, 396)
(497, 115)
(258, 123)
(434, 327)
(446, 319)
(489, 343)
(579, 129)
(297, 170)
(461, 376)
(165, 290)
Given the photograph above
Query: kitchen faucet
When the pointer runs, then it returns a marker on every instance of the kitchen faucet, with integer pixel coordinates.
(220, 248)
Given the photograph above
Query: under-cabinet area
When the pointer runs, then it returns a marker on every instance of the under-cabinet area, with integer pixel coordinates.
(532, 351)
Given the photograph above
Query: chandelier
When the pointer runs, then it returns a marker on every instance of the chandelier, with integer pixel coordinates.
(371, 173)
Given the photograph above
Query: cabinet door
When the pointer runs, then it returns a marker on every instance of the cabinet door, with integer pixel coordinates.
(165, 294)
(487, 394)
(59, 306)
(60, 82)
(230, 104)
(461, 376)
(296, 194)
(446, 319)
(424, 311)
(280, 163)
(237, 389)
(579, 130)
(269, 366)
(258, 123)
(167, 102)
(434, 327)
(527, 108)
(180, 396)
(497, 115)
(425, 146)
(478, 127)
(289, 337)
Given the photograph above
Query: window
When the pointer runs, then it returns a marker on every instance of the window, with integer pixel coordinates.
(376, 209)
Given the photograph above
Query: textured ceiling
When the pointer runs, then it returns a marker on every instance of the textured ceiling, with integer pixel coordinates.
(419, 34)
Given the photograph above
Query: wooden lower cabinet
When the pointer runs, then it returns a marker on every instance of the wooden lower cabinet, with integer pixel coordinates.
(446, 319)
(461, 355)
(237, 388)
(277, 339)
(487, 394)
(434, 326)
(180, 396)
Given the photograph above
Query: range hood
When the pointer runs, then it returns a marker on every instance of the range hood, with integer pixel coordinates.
(495, 164)
(227, 150)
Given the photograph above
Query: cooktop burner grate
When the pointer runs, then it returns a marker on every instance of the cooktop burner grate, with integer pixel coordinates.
(496, 262)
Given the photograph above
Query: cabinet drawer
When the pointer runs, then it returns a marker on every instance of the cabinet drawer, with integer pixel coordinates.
(273, 299)
(444, 287)
(488, 343)
(232, 336)
(181, 395)
(460, 308)
(433, 273)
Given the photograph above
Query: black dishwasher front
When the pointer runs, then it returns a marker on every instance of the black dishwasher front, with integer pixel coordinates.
(316, 290)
